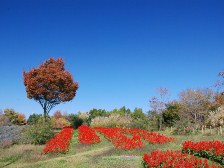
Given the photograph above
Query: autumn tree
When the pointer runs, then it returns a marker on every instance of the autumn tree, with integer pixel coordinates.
(195, 104)
(219, 98)
(220, 83)
(13, 117)
(59, 120)
(50, 84)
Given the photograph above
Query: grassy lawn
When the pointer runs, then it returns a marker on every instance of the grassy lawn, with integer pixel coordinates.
(101, 155)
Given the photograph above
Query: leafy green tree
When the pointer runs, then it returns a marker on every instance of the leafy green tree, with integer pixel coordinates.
(96, 113)
(171, 114)
(138, 114)
(122, 111)
(139, 119)
(34, 119)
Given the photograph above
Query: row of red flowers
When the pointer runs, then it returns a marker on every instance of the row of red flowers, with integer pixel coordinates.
(118, 137)
(213, 150)
(87, 135)
(174, 159)
(151, 137)
(60, 142)
(120, 140)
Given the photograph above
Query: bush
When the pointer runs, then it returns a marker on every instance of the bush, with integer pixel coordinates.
(183, 127)
(39, 133)
(10, 117)
(141, 124)
(75, 120)
(10, 135)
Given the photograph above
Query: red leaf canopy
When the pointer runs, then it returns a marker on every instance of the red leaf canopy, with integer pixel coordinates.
(50, 84)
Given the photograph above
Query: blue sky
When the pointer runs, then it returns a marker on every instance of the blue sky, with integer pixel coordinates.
(118, 51)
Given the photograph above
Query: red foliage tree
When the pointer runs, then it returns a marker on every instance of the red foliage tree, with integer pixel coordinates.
(50, 84)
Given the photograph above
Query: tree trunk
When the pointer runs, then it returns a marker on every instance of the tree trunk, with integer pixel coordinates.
(195, 118)
(210, 130)
(158, 123)
(45, 114)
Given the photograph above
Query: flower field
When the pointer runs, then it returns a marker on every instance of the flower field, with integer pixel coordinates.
(213, 150)
(193, 154)
(60, 142)
(175, 159)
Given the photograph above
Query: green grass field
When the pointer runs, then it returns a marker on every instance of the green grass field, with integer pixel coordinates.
(101, 155)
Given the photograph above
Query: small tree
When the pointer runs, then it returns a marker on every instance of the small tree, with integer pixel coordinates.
(158, 104)
(138, 114)
(171, 114)
(50, 84)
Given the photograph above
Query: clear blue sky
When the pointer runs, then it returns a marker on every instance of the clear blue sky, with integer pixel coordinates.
(119, 51)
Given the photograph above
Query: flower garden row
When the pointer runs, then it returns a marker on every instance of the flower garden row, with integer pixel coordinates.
(174, 159)
(132, 138)
(60, 142)
(212, 150)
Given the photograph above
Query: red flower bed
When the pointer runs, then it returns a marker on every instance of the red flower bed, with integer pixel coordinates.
(213, 150)
(87, 135)
(119, 139)
(60, 142)
(151, 137)
(174, 159)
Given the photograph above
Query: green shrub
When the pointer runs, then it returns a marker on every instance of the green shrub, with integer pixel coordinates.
(141, 124)
(39, 133)
(34, 119)
(183, 127)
